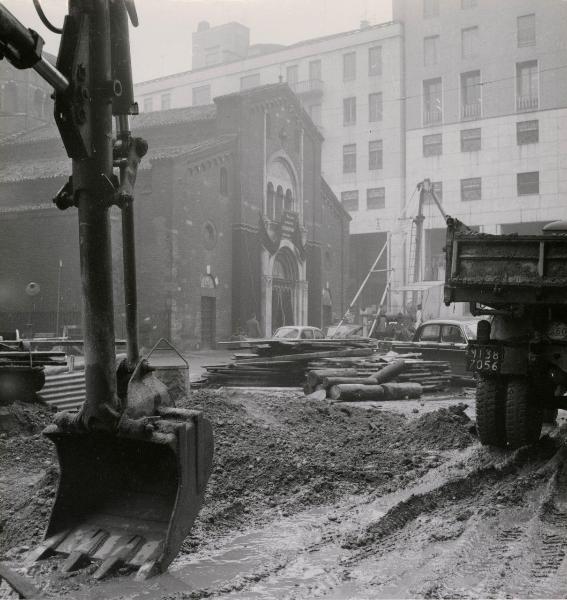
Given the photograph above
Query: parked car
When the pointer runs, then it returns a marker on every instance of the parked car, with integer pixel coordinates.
(442, 339)
(298, 332)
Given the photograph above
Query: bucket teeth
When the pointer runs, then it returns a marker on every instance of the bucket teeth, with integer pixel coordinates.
(48, 546)
(147, 570)
(120, 555)
(85, 549)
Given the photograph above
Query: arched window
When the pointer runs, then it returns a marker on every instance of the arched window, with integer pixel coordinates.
(270, 200)
(288, 204)
(11, 97)
(223, 181)
(279, 203)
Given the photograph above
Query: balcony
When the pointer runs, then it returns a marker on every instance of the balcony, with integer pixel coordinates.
(308, 88)
(527, 102)
(432, 117)
(471, 111)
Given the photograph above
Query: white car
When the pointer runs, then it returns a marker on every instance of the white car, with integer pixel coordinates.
(298, 332)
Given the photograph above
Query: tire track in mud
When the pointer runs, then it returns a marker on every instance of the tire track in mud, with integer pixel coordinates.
(489, 556)
(544, 559)
(519, 552)
(449, 493)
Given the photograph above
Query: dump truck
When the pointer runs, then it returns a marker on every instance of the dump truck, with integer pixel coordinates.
(519, 283)
(133, 466)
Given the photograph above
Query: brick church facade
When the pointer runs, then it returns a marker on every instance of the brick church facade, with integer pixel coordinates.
(232, 218)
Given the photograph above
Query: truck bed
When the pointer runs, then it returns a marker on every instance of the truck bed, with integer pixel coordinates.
(498, 270)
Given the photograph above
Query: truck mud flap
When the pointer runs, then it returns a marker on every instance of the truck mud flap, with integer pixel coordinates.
(127, 500)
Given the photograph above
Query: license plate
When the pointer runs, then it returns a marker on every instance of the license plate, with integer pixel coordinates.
(484, 358)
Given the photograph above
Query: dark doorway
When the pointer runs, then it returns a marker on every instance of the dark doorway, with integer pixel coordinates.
(327, 315)
(208, 321)
(282, 308)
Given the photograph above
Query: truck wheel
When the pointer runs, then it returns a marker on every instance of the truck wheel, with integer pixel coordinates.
(491, 411)
(524, 415)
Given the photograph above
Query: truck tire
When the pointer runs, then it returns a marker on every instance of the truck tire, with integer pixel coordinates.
(524, 415)
(491, 411)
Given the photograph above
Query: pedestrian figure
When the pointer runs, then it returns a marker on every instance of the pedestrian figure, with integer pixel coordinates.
(253, 327)
(418, 316)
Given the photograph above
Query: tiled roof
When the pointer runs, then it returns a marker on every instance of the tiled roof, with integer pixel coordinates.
(207, 145)
(61, 166)
(187, 114)
(159, 118)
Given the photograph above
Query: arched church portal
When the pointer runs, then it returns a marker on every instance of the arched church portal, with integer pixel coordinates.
(284, 289)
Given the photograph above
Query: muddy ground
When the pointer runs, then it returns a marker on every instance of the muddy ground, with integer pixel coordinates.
(316, 500)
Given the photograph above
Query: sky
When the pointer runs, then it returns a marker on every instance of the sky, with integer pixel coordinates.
(161, 45)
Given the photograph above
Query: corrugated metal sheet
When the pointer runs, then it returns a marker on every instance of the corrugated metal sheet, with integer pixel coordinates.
(65, 391)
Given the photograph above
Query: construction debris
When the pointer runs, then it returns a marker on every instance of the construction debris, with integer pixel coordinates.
(346, 369)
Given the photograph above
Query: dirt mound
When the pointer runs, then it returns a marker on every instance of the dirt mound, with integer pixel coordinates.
(278, 452)
(24, 418)
(27, 462)
(444, 429)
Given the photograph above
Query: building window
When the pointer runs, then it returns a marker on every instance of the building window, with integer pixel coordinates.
(209, 235)
(148, 104)
(270, 196)
(201, 95)
(315, 73)
(526, 30)
(432, 101)
(527, 84)
(349, 158)
(471, 189)
(375, 198)
(465, 4)
(375, 107)
(470, 95)
(349, 111)
(375, 155)
(438, 189)
(430, 50)
(375, 60)
(165, 101)
(250, 81)
(432, 145)
(527, 132)
(279, 203)
(469, 42)
(349, 200)
(315, 114)
(470, 140)
(349, 66)
(528, 183)
(292, 75)
(223, 181)
(430, 8)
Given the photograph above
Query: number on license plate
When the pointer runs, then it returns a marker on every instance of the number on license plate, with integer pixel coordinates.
(484, 358)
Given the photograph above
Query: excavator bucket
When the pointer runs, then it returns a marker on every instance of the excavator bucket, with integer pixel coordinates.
(128, 499)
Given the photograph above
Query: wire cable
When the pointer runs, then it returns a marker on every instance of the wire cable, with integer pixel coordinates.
(44, 19)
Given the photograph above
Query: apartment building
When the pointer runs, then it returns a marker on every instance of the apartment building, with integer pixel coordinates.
(486, 114)
(350, 84)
